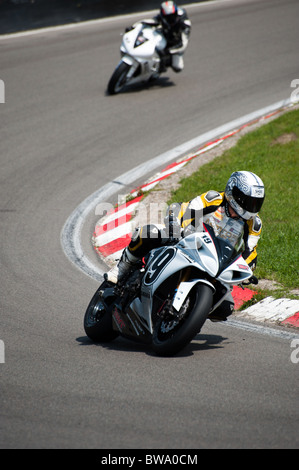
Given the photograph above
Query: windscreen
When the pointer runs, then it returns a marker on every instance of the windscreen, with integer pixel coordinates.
(229, 242)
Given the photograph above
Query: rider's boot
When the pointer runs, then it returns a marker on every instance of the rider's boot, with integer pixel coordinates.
(126, 262)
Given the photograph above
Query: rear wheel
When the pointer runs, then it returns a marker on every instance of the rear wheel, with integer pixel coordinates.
(172, 333)
(97, 321)
(118, 79)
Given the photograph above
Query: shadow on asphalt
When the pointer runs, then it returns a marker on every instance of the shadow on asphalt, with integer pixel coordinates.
(202, 342)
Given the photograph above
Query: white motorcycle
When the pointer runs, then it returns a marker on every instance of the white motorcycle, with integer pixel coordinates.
(140, 60)
(166, 301)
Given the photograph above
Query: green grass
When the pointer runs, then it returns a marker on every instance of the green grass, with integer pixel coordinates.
(278, 166)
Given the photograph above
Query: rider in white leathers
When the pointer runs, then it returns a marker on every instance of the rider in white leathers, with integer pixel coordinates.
(175, 27)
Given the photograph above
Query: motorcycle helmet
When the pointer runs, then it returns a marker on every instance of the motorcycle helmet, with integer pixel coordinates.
(169, 14)
(245, 193)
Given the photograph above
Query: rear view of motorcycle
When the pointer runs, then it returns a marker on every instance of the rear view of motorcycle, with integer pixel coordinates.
(166, 299)
(140, 59)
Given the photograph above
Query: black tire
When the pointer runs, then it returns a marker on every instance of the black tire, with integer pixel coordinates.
(98, 322)
(170, 337)
(118, 79)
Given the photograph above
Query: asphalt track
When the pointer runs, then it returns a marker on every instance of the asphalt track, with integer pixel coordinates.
(61, 139)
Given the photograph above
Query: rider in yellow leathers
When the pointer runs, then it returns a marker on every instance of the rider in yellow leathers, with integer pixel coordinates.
(230, 213)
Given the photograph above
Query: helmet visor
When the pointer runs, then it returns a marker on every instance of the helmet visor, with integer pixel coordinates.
(251, 204)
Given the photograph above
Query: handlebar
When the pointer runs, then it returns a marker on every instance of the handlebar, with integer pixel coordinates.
(252, 280)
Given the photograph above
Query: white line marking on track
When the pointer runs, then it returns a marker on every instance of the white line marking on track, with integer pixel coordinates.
(261, 329)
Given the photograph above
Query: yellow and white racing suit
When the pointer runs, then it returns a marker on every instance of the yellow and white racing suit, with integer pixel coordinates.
(209, 208)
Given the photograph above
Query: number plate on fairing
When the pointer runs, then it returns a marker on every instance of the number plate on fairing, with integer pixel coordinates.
(158, 266)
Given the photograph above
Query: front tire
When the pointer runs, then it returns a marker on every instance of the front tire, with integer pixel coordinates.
(97, 321)
(170, 335)
(118, 79)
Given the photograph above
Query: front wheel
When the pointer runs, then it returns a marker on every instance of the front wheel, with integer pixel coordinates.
(171, 334)
(97, 321)
(118, 79)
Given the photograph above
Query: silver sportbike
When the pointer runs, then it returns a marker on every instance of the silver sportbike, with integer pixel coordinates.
(167, 298)
(140, 58)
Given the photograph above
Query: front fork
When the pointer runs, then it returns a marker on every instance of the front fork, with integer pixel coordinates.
(185, 286)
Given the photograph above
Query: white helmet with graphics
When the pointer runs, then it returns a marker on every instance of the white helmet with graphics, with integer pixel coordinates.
(245, 193)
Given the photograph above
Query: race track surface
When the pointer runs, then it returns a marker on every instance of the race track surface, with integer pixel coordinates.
(61, 139)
